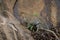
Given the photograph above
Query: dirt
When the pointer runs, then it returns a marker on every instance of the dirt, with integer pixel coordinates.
(29, 20)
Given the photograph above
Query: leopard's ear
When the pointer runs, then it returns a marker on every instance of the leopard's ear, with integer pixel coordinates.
(7, 14)
(4, 14)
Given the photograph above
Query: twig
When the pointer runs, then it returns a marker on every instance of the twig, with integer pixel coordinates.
(51, 32)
